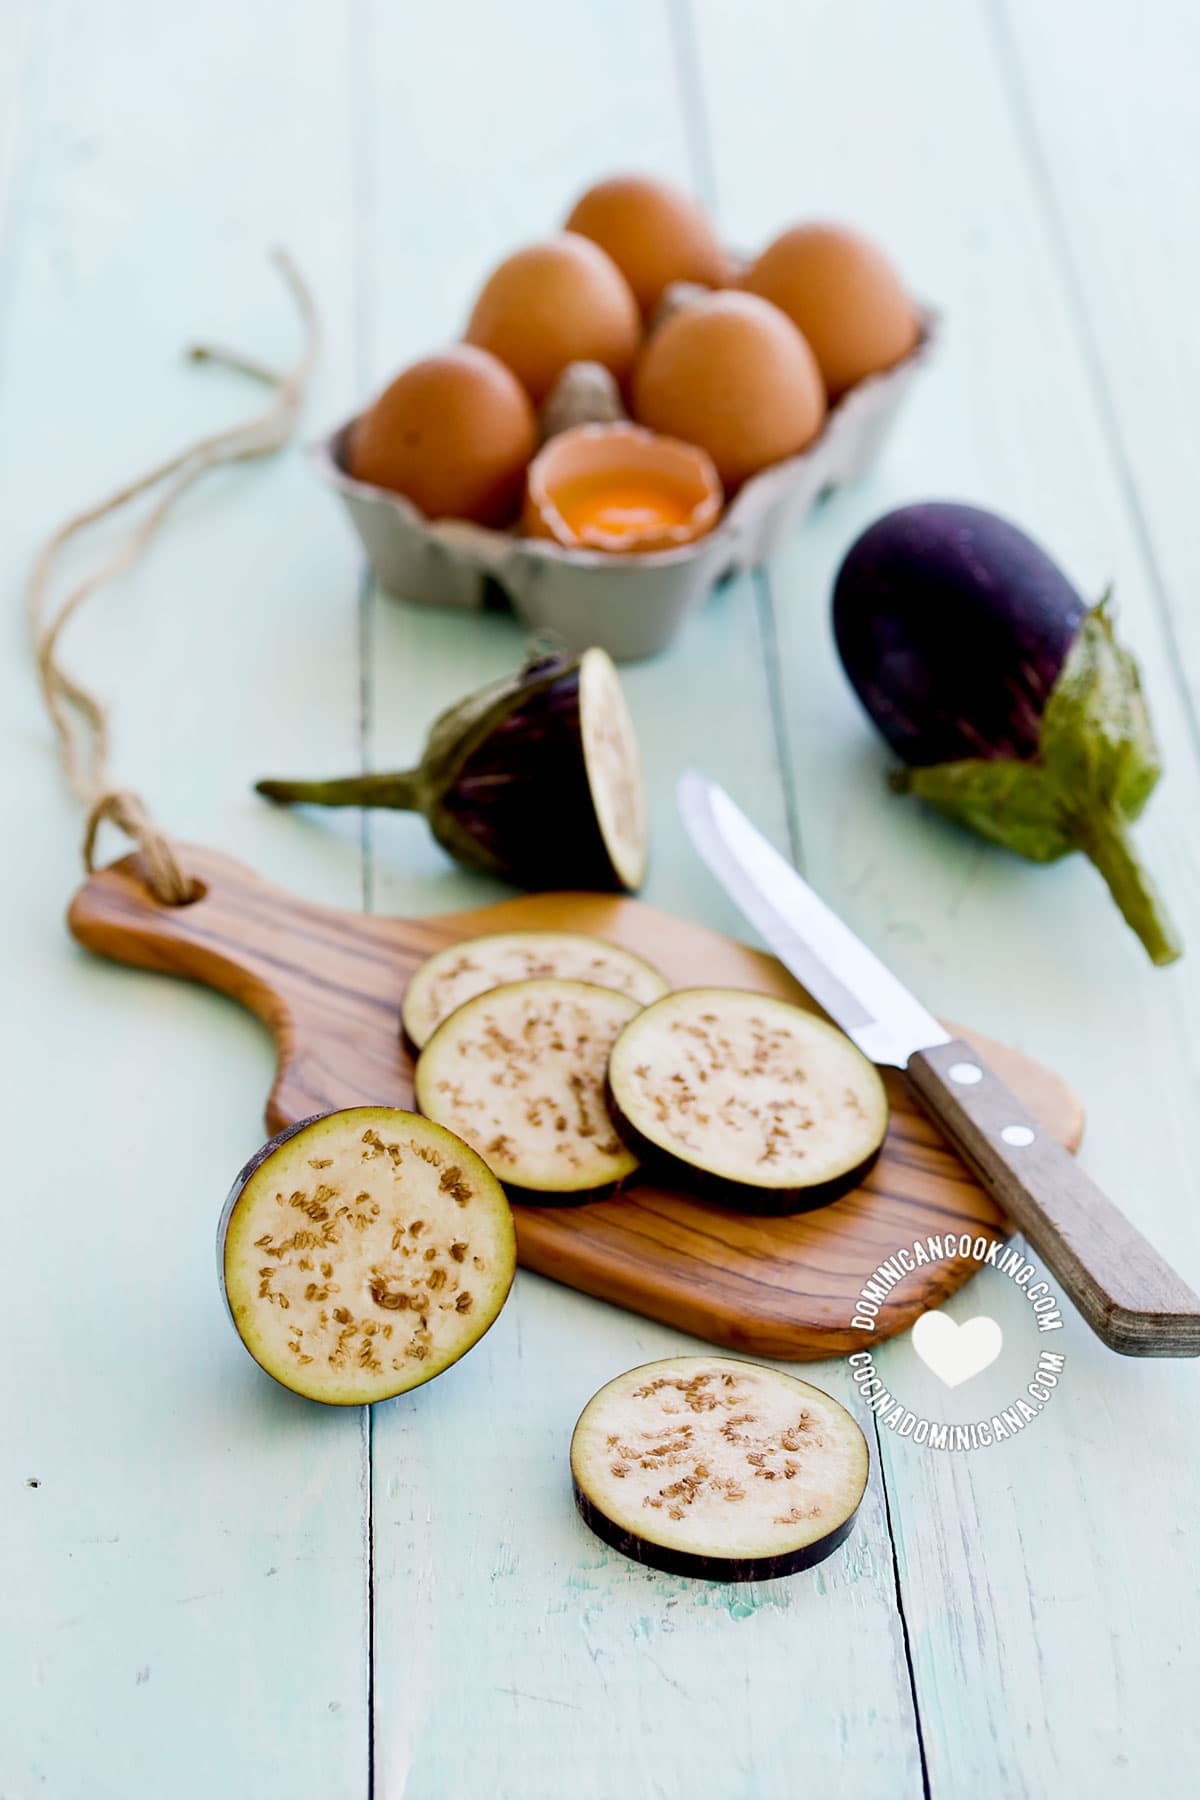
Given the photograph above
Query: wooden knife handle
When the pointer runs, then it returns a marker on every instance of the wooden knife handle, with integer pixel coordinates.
(1131, 1298)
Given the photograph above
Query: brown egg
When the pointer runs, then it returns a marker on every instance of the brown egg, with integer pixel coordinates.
(844, 295)
(453, 433)
(731, 374)
(654, 233)
(554, 303)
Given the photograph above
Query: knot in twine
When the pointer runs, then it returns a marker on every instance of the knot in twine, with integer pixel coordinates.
(80, 720)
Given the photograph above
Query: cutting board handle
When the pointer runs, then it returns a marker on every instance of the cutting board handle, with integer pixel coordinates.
(213, 939)
(310, 973)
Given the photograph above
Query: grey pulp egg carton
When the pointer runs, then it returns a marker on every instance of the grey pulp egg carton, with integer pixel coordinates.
(633, 606)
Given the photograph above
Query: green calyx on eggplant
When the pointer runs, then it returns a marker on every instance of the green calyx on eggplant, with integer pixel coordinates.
(1015, 707)
(535, 778)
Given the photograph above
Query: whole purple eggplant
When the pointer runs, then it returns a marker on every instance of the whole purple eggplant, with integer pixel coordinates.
(1017, 710)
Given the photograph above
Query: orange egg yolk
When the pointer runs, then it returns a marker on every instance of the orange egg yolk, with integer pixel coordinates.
(622, 506)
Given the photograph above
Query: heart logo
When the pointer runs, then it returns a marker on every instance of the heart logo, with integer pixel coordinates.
(956, 1353)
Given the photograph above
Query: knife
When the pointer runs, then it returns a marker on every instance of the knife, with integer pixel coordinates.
(1131, 1298)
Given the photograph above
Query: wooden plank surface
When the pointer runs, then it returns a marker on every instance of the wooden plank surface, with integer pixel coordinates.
(534, 1639)
(1120, 208)
(1022, 1601)
(187, 1586)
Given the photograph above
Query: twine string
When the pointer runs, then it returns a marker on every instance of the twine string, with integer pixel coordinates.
(80, 720)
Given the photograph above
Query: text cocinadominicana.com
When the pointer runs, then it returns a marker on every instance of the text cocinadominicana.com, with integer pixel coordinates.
(979, 1434)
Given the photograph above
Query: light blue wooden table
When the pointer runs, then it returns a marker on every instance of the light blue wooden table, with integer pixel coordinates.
(212, 1589)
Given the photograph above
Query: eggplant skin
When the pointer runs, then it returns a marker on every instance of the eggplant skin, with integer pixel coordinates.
(235, 1192)
(523, 798)
(709, 1568)
(719, 1190)
(953, 627)
(527, 1198)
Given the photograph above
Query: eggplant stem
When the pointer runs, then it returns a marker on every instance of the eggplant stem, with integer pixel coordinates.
(1106, 841)
(402, 790)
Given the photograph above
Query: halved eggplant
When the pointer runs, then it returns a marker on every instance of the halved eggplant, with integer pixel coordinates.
(708, 1466)
(761, 1104)
(536, 778)
(459, 972)
(363, 1252)
(519, 1073)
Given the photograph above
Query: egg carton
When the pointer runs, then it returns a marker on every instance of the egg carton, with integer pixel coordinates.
(633, 606)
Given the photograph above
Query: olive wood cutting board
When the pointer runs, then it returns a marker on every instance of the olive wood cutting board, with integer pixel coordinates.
(328, 986)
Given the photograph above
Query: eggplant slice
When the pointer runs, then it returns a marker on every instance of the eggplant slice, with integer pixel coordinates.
(519, 1073)
(363, 1252)
(461, 971)
(614, 768)
(760, 1104)
(705, 1465)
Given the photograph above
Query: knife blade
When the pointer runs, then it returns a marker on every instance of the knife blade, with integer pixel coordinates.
(1132, 1299)
(875, 1009)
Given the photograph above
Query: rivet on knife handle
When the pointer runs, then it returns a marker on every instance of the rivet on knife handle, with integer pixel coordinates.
(1130, 1297)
